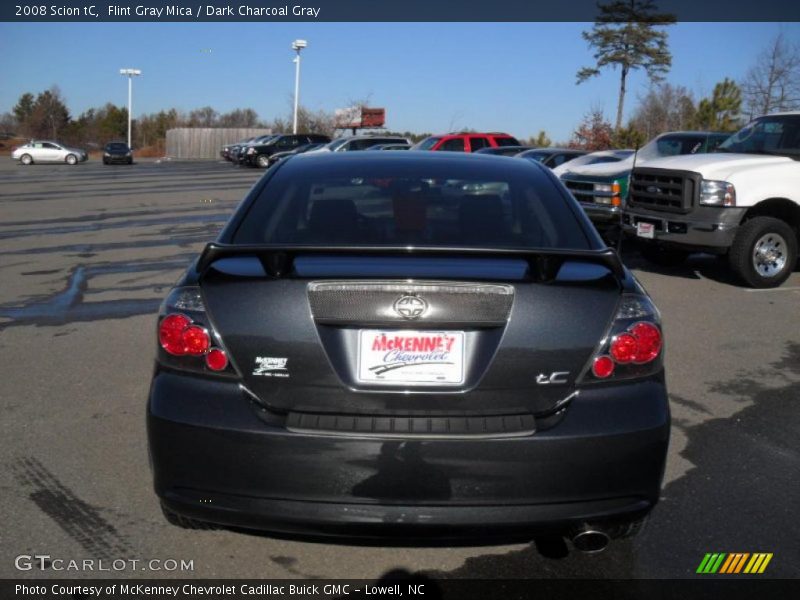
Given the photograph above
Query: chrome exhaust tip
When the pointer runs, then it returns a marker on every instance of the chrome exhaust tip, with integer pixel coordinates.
(590, 539)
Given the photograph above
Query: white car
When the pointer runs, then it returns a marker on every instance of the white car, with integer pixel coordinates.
(37, 151)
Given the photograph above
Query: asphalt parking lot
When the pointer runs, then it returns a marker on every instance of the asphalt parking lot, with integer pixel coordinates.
(86, 255)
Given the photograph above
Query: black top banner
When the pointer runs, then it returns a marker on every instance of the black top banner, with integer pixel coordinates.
(378, 10)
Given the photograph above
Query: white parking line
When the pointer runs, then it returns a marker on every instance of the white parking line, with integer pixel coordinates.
(777, 289)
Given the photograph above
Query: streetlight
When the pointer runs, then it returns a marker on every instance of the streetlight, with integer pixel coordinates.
(130, 73)
(297, 46)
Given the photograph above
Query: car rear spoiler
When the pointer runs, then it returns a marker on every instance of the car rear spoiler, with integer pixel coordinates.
(277, 260)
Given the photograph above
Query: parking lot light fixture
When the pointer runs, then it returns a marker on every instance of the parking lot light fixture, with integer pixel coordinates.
(130, 74)
(297, 46)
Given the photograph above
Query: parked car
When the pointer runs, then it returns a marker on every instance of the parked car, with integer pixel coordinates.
(350, 338)
(229, 151)
(240, 151)
(551, 157)
(503, 150)
(257, 153)
(45, 151)
(390, 147)
(466, 142)
(601, 188)
(593, 158)
(742, 201)
(117, 152)
(299, 150)
(360, 142)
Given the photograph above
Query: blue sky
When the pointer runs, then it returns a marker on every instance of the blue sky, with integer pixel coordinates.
(515, 77)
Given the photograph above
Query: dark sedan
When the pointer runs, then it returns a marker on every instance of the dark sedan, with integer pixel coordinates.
(273, 158)
(551, 157)
(117, 152)
(425, 345)
(257, 154)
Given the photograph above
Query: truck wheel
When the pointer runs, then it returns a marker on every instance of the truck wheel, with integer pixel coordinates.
(184, 522)
(764, 252)
(665, 257)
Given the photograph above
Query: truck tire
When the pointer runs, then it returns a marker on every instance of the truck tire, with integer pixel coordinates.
(764, 252)
(665, 257)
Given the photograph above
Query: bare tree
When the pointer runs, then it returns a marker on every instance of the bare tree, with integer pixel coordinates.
(773, 83)
(665, 107)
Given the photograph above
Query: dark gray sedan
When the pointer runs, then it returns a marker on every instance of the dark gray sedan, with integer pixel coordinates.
(421, 345)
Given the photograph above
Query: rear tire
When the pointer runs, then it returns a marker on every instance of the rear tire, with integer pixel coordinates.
(71, 159)
(263, 161)
(764, 252)
(663, 256)
(184, 522)
(26, 159)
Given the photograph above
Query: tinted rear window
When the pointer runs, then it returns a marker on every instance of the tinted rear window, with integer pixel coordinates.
(309, 201)
(506, 141)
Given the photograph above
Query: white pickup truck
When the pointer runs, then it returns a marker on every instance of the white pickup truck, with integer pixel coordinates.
(742, 201)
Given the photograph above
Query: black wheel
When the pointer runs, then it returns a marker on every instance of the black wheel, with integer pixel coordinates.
(71, 159)
(665, 257)
(764, 252)
(184, 522)
(263, 161)
(105, 162)
(26, 159)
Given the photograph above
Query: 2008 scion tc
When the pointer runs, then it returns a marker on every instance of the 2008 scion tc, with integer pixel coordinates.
(422, 345)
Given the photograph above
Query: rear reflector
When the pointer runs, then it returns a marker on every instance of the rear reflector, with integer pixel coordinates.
(170, 333)
(603, 367)
(216, 359)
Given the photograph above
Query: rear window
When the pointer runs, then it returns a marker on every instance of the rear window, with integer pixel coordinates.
(506, 141)
(392, 204)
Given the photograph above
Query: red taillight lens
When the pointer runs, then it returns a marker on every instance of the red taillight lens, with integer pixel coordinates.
(648, 342)
(216, 359)
(170, 333)
(624, 348)
(196, 340)
(603, 367)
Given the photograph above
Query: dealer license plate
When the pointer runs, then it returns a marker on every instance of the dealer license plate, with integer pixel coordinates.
(402, 357)
(645, 230)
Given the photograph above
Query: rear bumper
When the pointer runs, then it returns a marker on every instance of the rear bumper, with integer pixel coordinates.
(213, 459)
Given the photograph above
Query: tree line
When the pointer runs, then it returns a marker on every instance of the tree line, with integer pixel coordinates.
(628, 35)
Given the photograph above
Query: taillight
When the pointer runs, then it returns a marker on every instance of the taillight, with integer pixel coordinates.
(186, 335)
(170, 333)
(196, 340)
(632, 346)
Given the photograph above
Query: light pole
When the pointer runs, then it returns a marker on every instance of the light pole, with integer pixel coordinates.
(130, 73)
(297, 46)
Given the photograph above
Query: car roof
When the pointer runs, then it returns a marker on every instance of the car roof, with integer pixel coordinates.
(480, 162)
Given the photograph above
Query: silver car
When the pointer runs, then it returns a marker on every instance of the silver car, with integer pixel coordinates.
(37, 151)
